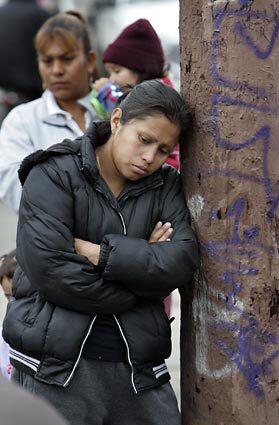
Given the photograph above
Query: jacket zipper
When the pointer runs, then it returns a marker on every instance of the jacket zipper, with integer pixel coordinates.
(128, 352)
(80, 352)
(90, 328)
(123, 222)
(115, 209)
(118, 324)
(140, 191)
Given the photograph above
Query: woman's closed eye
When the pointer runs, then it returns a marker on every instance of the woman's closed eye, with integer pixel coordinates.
(144, 140)
(46, 60)
(49, 60)
(164, 151)
(68, 58)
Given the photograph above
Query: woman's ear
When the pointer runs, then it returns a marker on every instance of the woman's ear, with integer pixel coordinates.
(115, 119)
(91, 57)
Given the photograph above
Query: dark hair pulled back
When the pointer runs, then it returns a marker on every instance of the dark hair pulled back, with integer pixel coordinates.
(70, 26)
(151, 98)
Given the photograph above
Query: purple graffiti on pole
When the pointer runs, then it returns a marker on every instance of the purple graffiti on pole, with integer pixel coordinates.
(263, 134)
(251, 343)
(244, 2)
(253, 351)
(239, 28)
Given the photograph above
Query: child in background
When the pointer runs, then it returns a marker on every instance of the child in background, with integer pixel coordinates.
(7, 269)
(136, 55)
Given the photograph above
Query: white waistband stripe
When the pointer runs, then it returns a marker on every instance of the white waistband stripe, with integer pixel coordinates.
(155, 368)
(24, 362)
(12, 350)
(160, 370)
(24, 359)
(157, 375)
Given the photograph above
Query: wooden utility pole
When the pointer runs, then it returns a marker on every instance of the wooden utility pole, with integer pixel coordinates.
(229, 324)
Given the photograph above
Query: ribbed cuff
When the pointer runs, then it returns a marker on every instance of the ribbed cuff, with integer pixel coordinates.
(103, 258)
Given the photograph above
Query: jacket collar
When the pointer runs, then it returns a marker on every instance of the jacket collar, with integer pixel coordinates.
(39, 156)
(54, 115)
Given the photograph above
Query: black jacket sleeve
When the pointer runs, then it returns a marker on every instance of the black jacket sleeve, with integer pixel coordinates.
(45, 249)
(155, 270)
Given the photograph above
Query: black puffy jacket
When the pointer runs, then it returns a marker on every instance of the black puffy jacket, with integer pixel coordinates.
(58, 293)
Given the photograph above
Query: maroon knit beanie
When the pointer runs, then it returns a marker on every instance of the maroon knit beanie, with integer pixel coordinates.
(138, 48)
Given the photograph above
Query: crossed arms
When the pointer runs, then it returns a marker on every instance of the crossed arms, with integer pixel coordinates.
(64, 269)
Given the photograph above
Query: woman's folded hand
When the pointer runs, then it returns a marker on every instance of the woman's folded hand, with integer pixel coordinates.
(161, 232)
(88, 249)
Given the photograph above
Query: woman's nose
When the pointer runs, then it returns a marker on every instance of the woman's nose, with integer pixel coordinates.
(57, 68)
(149, 155)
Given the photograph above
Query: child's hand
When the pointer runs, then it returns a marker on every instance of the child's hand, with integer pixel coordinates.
(98, 84)
(88, 250)
(161, 232)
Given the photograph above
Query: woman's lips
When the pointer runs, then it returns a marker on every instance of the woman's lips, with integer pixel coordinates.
(140, 170)
(59, 85)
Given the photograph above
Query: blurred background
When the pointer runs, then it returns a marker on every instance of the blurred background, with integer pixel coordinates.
(108, 17)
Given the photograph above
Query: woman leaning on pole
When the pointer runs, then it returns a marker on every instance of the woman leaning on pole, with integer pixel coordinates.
(103, 238)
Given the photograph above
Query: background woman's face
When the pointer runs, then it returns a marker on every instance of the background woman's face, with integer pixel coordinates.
(120, 75)
(65, 71)
(140, 147)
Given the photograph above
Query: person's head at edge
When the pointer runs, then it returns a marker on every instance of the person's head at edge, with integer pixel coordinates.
(7, 269)
(65, 57)
(135, 55)
(149, 121)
